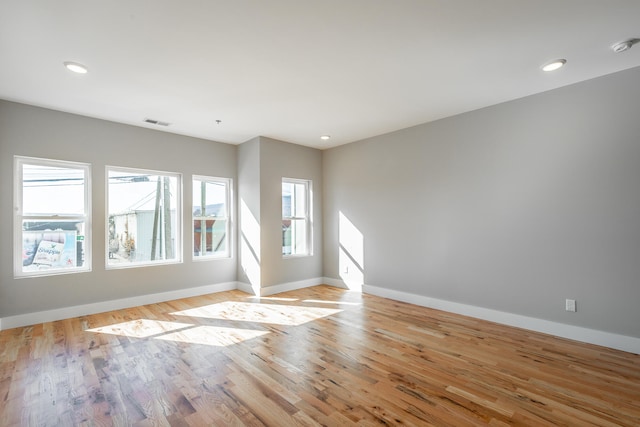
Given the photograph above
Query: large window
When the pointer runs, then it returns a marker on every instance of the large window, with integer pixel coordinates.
(52, 217)
(296, 220)
(210, 209)
(144, 217)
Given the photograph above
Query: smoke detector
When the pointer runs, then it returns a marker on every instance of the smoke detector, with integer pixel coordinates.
(625, 45)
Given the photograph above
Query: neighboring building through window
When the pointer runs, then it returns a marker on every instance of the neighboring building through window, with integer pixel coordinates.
(296, 220)
(144, 217)
(52, 217)
(210, 209)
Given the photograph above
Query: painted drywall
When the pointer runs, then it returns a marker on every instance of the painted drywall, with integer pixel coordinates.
(37, 132)
(249, 239)
(515, 207)
(283, 160)
(262, 163)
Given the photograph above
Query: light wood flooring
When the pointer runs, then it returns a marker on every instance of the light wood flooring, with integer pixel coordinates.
(317, 356)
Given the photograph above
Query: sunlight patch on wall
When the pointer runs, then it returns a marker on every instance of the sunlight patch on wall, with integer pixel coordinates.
(350, 254)
(250, 246)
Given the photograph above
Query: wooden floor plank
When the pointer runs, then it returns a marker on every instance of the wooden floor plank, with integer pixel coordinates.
(311, 357)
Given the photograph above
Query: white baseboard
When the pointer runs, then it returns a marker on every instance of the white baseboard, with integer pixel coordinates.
(591, 336)
(119, 304)
(339, 283)
(291, 286)
(247, 288)
(283, 287)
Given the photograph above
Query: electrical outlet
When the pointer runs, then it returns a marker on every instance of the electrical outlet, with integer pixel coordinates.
(570, 305)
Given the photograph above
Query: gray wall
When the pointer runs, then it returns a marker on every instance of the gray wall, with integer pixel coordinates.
(262, 163)
(37, 132)
(278, 160)
(249, 246)
(514, 207)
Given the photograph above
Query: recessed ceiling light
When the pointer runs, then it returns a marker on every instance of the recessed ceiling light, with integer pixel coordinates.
(554, 65)
(624, 46)
(325, 137)
(76, 67)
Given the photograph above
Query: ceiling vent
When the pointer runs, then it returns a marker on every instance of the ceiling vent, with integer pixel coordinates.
(156, 122)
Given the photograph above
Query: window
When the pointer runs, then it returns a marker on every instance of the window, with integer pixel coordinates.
(144, 217)
(210, 209)
(52, 217)
(296, 229)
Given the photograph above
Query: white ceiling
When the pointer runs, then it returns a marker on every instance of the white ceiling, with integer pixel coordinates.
(297, 69)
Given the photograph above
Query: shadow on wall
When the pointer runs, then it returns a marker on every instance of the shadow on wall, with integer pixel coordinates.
(351, 254)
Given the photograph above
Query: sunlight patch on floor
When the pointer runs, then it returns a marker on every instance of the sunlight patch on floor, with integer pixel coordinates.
(213, 335)
(141, 328)
(181, 332)
(276, 314)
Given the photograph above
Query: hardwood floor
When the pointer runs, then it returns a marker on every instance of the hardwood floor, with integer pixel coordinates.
(317, 356)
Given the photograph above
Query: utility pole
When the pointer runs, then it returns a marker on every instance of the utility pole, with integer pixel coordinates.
(156, 218)
(168, 242)
(203, 213)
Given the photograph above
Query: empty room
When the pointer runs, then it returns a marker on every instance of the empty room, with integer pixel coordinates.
(320, 213)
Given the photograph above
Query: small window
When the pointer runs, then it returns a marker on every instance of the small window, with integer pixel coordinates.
(296, 221)
(144, 217)
(52, 217)
(210, 209)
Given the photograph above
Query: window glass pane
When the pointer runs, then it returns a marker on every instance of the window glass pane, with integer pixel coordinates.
(299, 200)
(209, 198)
(298, 236)
(286, 237)
(287, 188)
(210, 237)
(52, 245)
(143, 217)
(210, 221)
(294, 237)
(295, 218)
(49, 190)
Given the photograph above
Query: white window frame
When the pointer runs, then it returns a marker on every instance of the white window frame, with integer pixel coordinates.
(178, 212)
(308, 184)
(228, 185)
(20, 216)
